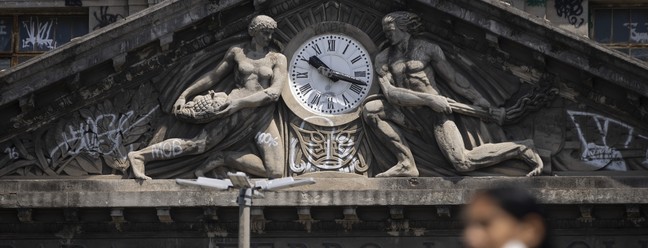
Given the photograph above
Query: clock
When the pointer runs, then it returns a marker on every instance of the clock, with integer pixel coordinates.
(330, 74)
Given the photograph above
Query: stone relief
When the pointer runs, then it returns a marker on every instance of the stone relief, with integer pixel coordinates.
(410, 71)
(438, 116)
(260, 73)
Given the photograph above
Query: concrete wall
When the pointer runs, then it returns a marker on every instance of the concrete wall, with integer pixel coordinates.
(100, 12)
(572, 17)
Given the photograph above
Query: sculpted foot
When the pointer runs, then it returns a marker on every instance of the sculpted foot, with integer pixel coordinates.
(533, 159)
(137, 164)
(401, 170)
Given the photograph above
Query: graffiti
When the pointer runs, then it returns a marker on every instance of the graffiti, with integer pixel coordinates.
(596, 148)
(13, 154)
(39, 34)
(169, 149)
(77, 3)
(535, 3)
(3, 28)
(104, 18)
(89, 138)
(266, 138)
(634, 35)
(570, 10)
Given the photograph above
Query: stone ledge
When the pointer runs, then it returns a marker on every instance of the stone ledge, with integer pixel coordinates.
(326, 192)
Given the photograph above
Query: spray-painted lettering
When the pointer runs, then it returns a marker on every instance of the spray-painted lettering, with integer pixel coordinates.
(639, 37)
(267, 139)
(13, 154)
(168, 149)
(39, 34)
(596, 149)
(87, 137)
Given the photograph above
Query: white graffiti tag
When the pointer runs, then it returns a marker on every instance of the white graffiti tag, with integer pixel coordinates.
(39, 34)
(596, 149)
(168, 149)
(89, 137)
(637, 36)
(267, 139)
(13, 154)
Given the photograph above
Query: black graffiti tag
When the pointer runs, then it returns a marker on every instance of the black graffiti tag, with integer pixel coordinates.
(104, 18)
(571, 10)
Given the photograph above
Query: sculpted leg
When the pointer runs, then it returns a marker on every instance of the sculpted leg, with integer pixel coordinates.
(271, 147)
(376, 115)
(168, 149)
(451, 143)
(270, 164)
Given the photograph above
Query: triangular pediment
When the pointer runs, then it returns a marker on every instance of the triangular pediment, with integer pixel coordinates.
(80, 109)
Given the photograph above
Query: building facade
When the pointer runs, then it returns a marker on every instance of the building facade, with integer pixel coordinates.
(98, 97)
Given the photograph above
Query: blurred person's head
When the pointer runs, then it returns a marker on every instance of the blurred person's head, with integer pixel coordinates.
(504, 217)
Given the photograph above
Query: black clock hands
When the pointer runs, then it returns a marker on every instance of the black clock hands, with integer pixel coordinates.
(334, 75)
(314, 61)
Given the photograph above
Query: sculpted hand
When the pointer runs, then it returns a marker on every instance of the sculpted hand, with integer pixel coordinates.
(179, 104)
(230, 108)
(440, 104)
(481, 102)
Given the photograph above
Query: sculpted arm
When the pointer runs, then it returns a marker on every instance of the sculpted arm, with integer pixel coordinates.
(456, 80)
(405, 97)
(210, 79)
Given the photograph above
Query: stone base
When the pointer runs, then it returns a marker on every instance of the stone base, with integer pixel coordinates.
(334, 212)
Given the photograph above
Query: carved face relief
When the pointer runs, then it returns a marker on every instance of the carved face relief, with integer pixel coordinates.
(394, 34)
(263, 37)
(328, 149)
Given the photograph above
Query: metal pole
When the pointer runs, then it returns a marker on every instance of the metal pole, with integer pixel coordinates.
(245, 202)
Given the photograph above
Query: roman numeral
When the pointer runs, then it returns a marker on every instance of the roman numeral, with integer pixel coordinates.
(330, 103)
(345, 48)
(356, 88)
(346, 101)
(302, 74)
(331, 45)
(305, 89)
(356, 59)
(317, 49)
(316, 99)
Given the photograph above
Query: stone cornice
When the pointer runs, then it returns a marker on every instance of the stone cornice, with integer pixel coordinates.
(149, 25)
(326, 192)
(540, 36)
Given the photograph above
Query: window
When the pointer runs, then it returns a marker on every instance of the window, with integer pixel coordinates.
(623, 29)
(23, 36)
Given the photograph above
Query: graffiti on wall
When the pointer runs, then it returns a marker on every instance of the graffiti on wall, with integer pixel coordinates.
(606, 143)
(104, 18)
(100, 135)
(639, 37)
(75, 3)
(571, 10)
(39, 34)
(93, 140)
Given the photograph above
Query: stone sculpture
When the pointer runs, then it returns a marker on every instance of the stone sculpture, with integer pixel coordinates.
(411, 71)
(259, 73)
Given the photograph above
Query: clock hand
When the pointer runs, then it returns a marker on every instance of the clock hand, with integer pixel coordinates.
(316, 62)
(336, 75)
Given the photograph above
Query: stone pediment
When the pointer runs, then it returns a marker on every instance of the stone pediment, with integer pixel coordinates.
(79, 110)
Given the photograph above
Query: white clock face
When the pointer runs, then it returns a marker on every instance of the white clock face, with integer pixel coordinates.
(344, 85)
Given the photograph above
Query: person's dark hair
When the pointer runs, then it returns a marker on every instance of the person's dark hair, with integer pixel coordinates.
(517, 202)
